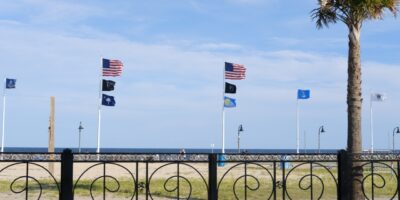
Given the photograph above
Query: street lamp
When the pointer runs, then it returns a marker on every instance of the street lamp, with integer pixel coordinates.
(395, 131)
(240, 129)
(80, 130)
(320, 130)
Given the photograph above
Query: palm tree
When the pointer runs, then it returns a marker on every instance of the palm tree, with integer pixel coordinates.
(353, 13)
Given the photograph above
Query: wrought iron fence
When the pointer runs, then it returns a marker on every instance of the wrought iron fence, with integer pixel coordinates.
(193, 176)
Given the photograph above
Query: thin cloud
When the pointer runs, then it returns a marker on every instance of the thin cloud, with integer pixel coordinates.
(219, 46)
(51, 11)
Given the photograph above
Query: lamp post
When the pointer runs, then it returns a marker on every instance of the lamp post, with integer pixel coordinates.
(320, 130)
(395, 131)
(240, 129)
(80, 130)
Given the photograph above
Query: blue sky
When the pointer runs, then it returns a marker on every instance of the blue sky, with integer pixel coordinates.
(169, 95)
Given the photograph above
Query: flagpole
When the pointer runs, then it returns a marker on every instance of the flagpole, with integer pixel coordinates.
(298, 126)
(223, 130)
(4, 116)
(223, 109)
(371, 125)
(99, 107)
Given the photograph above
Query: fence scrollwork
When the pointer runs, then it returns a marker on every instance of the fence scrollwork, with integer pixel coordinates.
(20, 184)
(255, 178)
(179, 185)
(378, 176)
(310, 177)
(109, 183)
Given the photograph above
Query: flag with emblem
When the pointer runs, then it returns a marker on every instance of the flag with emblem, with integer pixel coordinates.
(10, 83)
(229, 102)
(378, 97)
(303, 94)
(108, 100)
(108, 85)
(230, 88)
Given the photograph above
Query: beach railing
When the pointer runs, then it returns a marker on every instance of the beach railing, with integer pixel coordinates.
(194, 176)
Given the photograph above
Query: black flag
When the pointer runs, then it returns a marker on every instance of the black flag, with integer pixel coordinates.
(108, 85)
(230, 88)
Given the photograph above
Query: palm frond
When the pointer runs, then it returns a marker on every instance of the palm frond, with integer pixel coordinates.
(352, 12)
(374, 9)
(323, 17)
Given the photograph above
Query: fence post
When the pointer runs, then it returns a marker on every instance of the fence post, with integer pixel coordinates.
(212, 177)
(344, 175)
(67, 165)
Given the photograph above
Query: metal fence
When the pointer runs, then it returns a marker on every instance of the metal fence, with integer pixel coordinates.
(70, 176)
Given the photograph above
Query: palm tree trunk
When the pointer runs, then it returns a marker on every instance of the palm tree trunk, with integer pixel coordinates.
(354, 103)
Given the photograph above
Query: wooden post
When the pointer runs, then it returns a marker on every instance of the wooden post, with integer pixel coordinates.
(51, 133)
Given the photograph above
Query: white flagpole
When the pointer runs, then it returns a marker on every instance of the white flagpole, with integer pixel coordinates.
(223, 130)
(371, 125)
(298, 126)
(99, 106)
(223, 109)
(4, 116)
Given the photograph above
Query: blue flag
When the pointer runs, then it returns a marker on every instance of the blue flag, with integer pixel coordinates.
(108, 100)
(10, 83)
(303, 94)
(229, 102)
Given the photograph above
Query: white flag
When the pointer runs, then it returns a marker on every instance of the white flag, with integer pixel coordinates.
(378, 97)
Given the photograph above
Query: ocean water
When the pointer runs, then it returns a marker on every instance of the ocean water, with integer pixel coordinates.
(167, 150)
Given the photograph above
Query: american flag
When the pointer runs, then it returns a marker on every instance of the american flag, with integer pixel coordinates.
(234, 71)
(112, 67)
